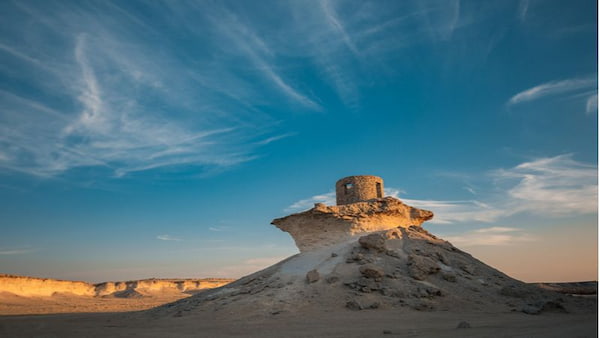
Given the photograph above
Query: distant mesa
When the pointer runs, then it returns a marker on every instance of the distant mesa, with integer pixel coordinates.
(46, 287)
(361, 208)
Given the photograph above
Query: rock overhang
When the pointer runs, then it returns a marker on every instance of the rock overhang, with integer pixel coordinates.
(327, 225)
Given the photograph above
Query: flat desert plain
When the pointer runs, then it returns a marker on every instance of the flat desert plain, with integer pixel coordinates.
(315, 323)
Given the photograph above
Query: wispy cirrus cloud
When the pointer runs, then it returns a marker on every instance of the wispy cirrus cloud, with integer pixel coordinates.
(554, 88)
(549, 187)
(443, 19)
(337, 25)
(220, 228)
(252, 47)
(307, 203)
(113, 94)
(557, 186)
(522, 10)
(11, 252)
(169, 238)
(275, 138)
(447, 212)
(120, 106)
(106, 105)
(591, 105)
(493, 236)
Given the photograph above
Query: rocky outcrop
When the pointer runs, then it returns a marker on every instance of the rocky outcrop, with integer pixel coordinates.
(373, 241)
(41, 287)
(44, 287)
(327, 225)
(312, 276)
(413, 273)
(159, 285)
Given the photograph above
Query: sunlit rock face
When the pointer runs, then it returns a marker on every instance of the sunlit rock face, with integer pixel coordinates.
(327, 225)
(45, 287)
(40, 287)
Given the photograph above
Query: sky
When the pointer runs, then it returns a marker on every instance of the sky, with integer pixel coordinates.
(159, 139)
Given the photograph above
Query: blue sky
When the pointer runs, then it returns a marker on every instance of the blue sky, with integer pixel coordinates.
(159, 139)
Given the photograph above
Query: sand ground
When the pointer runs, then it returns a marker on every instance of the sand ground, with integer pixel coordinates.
(16, 305)
(342, 323)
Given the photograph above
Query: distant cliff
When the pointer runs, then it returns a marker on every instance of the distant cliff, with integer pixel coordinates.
(40, 287)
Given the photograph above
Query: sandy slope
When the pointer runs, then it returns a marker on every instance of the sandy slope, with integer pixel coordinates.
(404, 268)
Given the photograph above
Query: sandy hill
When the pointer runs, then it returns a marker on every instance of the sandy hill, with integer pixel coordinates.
(403, 268)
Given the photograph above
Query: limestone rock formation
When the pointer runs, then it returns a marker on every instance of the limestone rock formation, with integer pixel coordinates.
(411, 274)
(45, 287)
(327, 225)
(42, 287)
(369, 255)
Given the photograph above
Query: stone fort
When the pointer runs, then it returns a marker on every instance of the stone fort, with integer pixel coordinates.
(361, 188)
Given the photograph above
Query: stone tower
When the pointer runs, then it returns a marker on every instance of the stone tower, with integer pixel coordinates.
(353, 189)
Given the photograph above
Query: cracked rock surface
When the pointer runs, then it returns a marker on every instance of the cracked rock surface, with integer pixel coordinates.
(327, 225)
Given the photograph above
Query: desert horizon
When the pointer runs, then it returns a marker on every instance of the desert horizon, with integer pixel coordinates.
(27, 295)
(367, 253)
(359, 256)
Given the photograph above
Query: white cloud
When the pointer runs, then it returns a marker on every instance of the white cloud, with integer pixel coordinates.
(219, 228)
(92, 116)
(10, 252)
(523, 7)
(591, 104)
(494, 236)
(551, 186)
(393, 192)
(447, 212)
(470, 189)
(328, 198)
(553, 88)
(274, 138)
(336, 24)
(554, 186)
(168, 238)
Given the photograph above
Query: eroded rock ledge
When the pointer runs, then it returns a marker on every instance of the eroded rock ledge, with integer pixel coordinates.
(44, 287)
(326, 225)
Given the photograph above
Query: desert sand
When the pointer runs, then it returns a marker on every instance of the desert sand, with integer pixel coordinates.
(317, 323)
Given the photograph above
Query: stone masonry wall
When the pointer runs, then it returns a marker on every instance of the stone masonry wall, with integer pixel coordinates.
(354, 189)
